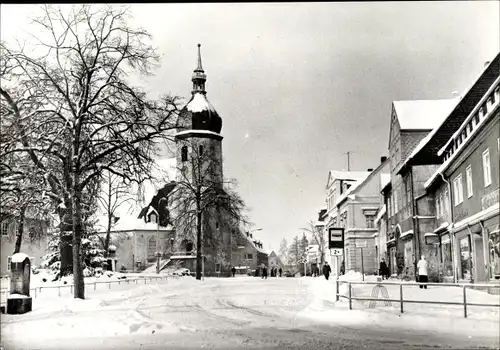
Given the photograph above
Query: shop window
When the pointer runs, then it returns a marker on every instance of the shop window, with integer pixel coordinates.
(446, 255)
(465, 259)
(494, 254)
(486, 168)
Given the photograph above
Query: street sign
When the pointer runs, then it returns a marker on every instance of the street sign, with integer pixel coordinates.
(336, 252)
(361, 244)
(335, 237)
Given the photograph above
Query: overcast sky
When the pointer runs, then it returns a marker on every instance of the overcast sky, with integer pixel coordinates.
(299, 84)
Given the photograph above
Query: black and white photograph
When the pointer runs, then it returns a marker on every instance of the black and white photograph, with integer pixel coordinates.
(286, 175)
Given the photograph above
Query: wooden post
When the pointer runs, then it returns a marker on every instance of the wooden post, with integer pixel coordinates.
(401, 296)
(465, 301)
(350, 300)
(337, 290)
(95, 285)
(362, 264)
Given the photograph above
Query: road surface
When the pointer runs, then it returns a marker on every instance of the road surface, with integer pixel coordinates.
(236, 313)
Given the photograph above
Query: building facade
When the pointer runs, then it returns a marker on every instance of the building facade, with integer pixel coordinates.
(460, 203)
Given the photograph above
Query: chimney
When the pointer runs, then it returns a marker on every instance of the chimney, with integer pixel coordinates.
(251, 236)
(383, 159)
(369, 169)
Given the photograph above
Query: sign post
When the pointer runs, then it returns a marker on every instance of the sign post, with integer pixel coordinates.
(362, 245)
(336, 245)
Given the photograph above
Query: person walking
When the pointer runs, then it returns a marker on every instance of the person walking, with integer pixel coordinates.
(327, 270)
(422, 272)
(383, 269)
(233, 270)
(264, 271)
(280, 271)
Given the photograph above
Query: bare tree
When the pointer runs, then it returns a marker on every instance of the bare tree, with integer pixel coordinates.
(283, 252)
(80, 116)
(319, 238)
(204, 205)
(114, 194)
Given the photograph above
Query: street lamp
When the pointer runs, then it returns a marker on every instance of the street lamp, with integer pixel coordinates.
(158, 253)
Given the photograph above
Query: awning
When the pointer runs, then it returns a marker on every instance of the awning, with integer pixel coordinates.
(444, 226)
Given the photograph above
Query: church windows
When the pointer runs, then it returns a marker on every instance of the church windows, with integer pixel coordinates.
(184, 154)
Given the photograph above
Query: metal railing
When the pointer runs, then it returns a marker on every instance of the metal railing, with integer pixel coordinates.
(38, 290)
(401, 301)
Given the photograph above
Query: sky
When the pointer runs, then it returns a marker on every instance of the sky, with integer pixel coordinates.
(298, 85)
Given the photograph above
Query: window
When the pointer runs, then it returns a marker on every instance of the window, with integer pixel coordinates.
(217, 225)
(465, 259)
(438, 206)
(184, 153)
(248, 256)
(370, 221)
(486, 168)
(468, 174)
(201, 150)
(446, 255)
(9, 262)
(4, 227)
(408, 191)
(458, 194)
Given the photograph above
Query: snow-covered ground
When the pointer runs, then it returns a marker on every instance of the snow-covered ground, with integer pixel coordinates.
(241, 312)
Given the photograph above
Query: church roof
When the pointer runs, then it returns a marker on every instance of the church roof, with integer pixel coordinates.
(199, 114)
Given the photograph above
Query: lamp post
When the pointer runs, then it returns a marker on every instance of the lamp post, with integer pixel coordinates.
(158, 253)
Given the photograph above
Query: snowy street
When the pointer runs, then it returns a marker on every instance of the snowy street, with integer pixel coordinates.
(243, 312)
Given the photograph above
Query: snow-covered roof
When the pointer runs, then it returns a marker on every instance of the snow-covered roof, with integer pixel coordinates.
(128, 223)
(406, 233)
(423, 114)
(19, 257)
(442, 226)
(197, 131)
(200, 103)
(430, 234)
(465, 142)
(380, 213)
(385, 179)
(348, 175)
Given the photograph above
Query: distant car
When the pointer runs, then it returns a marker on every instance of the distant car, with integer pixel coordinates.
(182, 272)
(287, 274)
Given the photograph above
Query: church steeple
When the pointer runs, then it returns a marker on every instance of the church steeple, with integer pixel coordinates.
(199, 77)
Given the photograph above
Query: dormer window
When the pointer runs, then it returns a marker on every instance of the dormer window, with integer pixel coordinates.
(153, 218)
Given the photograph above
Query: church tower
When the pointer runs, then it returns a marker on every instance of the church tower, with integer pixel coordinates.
(198, 140)
(199, 163)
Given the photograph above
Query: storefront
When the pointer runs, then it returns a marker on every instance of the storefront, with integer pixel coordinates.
(446, 257)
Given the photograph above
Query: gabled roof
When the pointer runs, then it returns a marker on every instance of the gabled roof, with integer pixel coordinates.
(346, 175)
(422, 114)
(427, 151)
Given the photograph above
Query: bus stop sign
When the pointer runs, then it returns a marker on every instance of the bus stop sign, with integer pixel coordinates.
(336, 238)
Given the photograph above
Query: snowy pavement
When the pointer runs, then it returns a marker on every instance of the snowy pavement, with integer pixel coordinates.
(242, 312)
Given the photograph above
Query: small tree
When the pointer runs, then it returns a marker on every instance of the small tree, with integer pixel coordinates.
(283, 252)
(318, 238)
(113, 195)
(294, 251)
(202, 200)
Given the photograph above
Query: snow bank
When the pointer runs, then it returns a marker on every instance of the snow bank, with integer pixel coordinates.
(17, 296)
(19, 257)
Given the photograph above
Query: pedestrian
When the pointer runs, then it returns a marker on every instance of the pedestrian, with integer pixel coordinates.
(422, 272)
(326, 270)
(233, 270)
(280, 271)
(383, 269)
(264, 271)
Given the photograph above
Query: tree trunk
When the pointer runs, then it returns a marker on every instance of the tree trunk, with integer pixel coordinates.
(20, 230)
(108, 237)
(66, 235)
(78, 282)
(198, 245)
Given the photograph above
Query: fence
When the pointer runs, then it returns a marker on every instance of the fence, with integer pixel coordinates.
(35, 292)
(401, 301)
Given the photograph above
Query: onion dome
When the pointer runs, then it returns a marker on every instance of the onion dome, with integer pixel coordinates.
(199, 114)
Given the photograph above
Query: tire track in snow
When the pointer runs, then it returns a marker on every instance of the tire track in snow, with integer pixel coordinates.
(199, 309)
